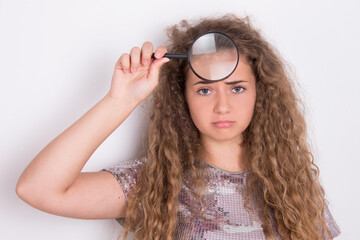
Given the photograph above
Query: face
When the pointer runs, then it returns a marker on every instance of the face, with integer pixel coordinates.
(222, 110)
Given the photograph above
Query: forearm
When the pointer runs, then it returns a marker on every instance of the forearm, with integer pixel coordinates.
(56, 167)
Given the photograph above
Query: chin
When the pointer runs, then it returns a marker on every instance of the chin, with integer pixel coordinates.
(226, 138)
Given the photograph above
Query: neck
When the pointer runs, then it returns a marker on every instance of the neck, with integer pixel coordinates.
(229, 155)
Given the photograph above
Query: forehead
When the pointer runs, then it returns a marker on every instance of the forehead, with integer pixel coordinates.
(214, 65)
(243, 71)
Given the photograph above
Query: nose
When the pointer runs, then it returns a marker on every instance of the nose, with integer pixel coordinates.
(222, 104)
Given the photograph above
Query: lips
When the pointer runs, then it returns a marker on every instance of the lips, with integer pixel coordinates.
(223, 123)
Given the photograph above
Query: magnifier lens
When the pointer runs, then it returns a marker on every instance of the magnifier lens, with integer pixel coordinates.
(213, 56)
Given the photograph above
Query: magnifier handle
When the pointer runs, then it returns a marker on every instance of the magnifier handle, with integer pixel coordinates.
(172, 55)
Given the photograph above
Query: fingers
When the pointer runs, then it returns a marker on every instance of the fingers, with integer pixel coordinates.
(123, 63)
(160, 51)
(155, 68)
(141, 57)
(146, 52)
(158, 62)
(134, 59)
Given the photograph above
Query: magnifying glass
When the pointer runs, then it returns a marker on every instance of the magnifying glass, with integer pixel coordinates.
(213, 56)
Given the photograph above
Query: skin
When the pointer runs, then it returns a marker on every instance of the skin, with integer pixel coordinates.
(53, 181)
(230, 100)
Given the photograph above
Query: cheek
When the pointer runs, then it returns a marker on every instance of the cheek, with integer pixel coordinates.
(193, 108)
(247, 109)
(197, 112)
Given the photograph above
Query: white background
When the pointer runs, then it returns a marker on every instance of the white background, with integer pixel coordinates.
(57, 59)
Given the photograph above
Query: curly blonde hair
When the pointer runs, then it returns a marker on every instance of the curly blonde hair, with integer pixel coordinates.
(281, 163)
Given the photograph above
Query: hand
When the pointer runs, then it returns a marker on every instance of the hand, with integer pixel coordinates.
(137, 74)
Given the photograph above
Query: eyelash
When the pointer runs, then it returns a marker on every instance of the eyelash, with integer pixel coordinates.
(199, 91)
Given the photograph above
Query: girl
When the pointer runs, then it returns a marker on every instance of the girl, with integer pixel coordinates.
(223, 160)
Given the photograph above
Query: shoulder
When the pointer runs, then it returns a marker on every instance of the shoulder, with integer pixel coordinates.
(126, 173)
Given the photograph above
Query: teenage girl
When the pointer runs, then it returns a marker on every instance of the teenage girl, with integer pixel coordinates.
(223, 160)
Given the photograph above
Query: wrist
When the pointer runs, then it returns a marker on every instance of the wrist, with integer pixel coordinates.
(121, 101)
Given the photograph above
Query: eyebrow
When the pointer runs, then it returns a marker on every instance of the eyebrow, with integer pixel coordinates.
(229, 83)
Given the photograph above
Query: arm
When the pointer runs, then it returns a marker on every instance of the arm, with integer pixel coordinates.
(53, 181)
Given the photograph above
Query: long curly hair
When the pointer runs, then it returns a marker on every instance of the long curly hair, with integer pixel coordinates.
(281, 164)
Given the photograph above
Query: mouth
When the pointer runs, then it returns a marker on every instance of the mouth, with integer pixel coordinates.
(223, 123)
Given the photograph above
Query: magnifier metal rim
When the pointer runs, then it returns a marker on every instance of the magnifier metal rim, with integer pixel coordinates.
(210, 80)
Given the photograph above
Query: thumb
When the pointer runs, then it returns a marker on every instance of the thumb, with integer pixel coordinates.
(155, 68)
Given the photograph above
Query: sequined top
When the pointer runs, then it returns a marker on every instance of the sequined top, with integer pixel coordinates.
(224, 216)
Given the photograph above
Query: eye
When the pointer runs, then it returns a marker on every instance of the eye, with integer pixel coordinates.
(238, 89)
(204, 91)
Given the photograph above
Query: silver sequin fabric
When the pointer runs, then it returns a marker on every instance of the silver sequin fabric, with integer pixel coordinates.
(224, 215)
